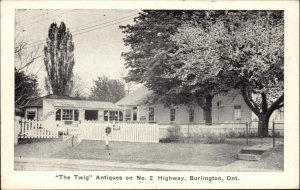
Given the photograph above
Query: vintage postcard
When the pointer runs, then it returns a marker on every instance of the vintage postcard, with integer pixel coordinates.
(154, 94)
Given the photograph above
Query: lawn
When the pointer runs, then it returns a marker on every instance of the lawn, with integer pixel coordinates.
(162, 153)
(195, 154)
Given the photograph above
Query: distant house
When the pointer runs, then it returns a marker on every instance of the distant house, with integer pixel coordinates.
(226, 108)
(64, 111)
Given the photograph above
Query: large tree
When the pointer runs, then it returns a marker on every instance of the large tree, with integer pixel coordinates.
(152, 60)
(257, 57)
(76, 87)
(59, 58)
(245, 45)
(25, 55)
(105, 89)
(25, 88)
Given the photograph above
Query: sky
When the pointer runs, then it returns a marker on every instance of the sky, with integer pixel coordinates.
(96, 35)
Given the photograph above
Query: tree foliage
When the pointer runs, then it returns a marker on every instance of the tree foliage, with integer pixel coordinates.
(76, 87)
(59, 58)
(26, 88)
(152, 60)
(189, 56)
(245, 45)
(26, 85)
(109, 90)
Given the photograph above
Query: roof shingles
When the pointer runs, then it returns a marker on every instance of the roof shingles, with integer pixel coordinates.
(136, 97)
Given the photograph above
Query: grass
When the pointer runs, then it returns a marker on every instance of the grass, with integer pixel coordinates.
(43, 149)
(252, 141)
(163, 153)
(171, 153)
(195, 154)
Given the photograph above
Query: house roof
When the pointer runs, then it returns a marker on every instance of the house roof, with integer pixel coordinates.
(84, 104)
(38, 102)
(136, 97)
(18, 109)
(62, 101)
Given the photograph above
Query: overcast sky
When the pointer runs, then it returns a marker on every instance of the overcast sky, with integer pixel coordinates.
(96, 35)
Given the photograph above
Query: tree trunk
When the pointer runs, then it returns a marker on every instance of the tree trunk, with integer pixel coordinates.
(263, 126)
(264, 112)
(208, 107)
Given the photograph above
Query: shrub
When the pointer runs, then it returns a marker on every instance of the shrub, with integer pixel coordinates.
(276, 134)
(231, 134)
(174, 133)
(208, 138)
(212, 138)
(241, 134)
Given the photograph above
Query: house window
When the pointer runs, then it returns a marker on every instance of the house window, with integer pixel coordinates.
(58, 115)
(204, 115)
(151, 114)
(191, 115)
(172, 114)
(134, 114)
(105, 115)
(237, 113)
(67, 114)
(76, 115)
(113, 116)
(31, 115)
(120, 116)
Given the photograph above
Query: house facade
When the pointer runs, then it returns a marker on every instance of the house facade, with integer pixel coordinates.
(225, 108)
(64, 112)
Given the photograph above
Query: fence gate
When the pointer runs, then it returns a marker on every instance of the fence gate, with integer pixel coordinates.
(132, 132)
(28, 129)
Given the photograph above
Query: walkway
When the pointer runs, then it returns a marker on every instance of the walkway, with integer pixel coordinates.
(31, 163)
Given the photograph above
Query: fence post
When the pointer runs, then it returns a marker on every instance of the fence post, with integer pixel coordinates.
(16, 129)
(261, 135)
(247, 134)
(273, 133)
(188, 133)
(72, 140)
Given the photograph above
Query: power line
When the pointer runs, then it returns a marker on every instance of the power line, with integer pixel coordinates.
(104, 23)
(24, 13)
(103, 26)
(81, 27)
(18, 28)
(92, 28)
(104, 19)
(49, 12)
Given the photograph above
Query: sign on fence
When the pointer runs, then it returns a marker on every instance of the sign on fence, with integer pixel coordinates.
(133, 132)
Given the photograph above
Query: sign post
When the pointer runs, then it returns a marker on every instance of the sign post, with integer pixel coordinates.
(107, 131)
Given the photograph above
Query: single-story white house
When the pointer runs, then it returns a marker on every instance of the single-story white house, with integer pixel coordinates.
(225, 108)
(63, 111)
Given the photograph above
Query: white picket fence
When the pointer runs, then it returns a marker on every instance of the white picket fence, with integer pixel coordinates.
(28, 129)
(131, 132)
